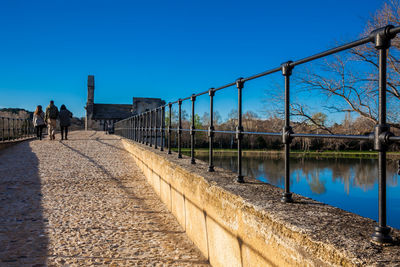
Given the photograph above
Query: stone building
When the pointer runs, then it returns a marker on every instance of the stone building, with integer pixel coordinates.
(98, 116)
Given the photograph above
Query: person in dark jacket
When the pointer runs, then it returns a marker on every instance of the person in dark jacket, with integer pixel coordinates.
(65, 121)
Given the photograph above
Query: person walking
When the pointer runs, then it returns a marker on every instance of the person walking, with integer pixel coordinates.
(38, 121)
(51, 116)
(65, 121)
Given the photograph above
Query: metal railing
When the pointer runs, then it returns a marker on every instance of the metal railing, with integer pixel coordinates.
(143, 127)
(14, 129)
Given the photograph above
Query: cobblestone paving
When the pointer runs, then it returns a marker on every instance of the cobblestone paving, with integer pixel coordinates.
(84, 202)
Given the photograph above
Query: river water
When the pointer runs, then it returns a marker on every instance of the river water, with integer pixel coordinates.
(349, 184)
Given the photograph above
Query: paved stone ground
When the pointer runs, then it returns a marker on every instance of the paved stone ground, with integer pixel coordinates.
(84, 202)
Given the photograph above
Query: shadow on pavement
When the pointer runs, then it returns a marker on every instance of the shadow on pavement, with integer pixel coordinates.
(23, 240)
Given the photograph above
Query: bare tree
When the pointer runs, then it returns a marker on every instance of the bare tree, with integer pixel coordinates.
(349, 80)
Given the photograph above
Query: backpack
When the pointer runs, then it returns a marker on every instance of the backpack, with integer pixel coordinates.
(53, 112)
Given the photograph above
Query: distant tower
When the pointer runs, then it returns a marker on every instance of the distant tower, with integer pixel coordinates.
(90, 101)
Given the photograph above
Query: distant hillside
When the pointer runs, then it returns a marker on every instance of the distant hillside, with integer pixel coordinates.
(16, 113)
(19, 113)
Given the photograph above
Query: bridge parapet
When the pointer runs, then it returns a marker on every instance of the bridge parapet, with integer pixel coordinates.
(247, 225)
(14, 130)
(144, 126)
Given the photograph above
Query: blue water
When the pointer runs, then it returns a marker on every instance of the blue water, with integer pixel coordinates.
(349, 184)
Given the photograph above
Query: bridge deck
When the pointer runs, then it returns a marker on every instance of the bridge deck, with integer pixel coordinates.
(84, 202)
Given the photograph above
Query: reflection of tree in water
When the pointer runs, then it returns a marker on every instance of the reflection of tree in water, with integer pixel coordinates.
(316, 185)
(360, 173)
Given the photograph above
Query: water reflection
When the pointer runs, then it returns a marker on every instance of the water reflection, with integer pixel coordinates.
(350, 184)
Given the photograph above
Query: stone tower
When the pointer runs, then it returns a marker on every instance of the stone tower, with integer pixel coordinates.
(90, 101)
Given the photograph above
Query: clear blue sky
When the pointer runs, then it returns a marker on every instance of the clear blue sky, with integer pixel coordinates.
(166, 49)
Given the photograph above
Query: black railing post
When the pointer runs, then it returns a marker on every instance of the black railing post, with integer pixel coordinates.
(162, 128)
(123, 124)
(192, 131)
(124, 129)
(133, 128)
(239, 130)
(381, 38)
(151, 127)
(147, 127)
(136, 128)
(2, 136)
(169, 127)
(13, 128)
(180, 128)
(130, 126)
(27, 127)
(287, 131)
(139, 117)
(142, 128)
(155, 127)
(9, 129)
(211, 129)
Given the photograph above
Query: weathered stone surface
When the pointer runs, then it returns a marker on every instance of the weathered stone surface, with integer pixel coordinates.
(250, 221)
(84, 202)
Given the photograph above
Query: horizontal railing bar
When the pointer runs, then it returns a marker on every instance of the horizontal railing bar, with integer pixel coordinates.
(332, 51)
(298, 62)
(262, 74)
(294, 135)
(201, 93)
(394, 138)
(334, 136)
(394, 30)
(264, 133)
(295, 63)
(228, 132)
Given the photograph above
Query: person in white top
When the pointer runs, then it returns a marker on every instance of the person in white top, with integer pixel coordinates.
(38, 121)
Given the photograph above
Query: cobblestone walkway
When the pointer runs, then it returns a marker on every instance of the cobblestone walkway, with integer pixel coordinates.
(84, 202)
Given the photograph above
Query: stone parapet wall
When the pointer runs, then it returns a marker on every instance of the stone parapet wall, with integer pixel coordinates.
(247, 225)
